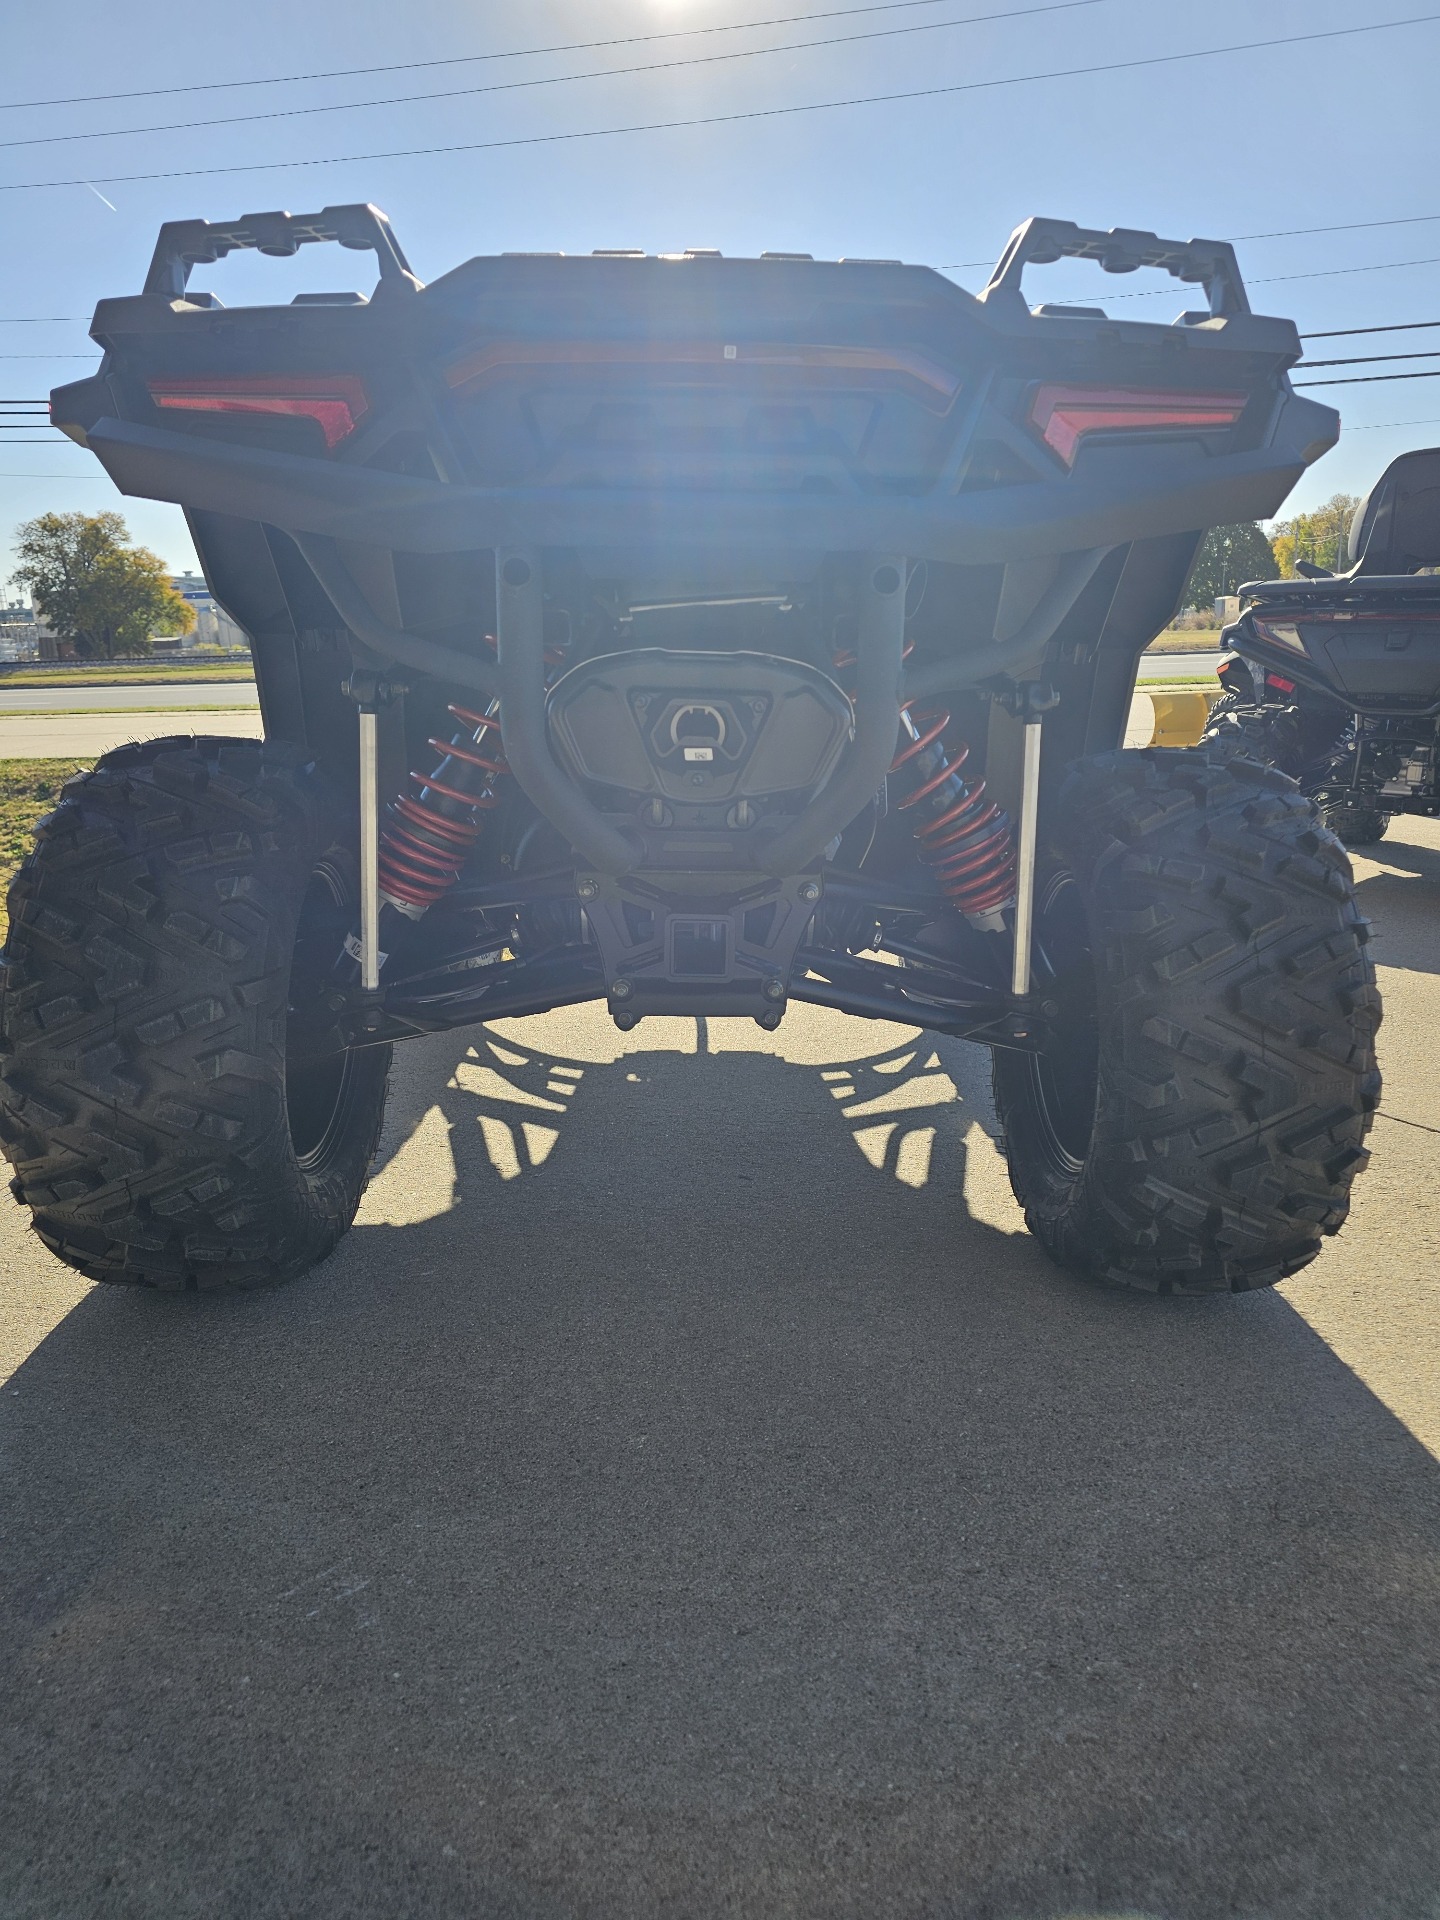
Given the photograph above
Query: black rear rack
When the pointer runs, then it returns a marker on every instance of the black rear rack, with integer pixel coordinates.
(1208, 263)
(184, 244)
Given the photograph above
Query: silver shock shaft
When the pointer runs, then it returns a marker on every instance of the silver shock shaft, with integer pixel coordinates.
(1025, 860)
(369, 852)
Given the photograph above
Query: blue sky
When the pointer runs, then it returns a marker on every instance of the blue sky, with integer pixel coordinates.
(1316, 132)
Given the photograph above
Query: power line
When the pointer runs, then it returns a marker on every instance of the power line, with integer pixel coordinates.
(1326, 273)
(1369, 379)
(1371, 359)
(1275, 233)
(557, 79)
(1403, 326)
(1383, 426)
(470, 59)
(731, 119)
(1275, 279)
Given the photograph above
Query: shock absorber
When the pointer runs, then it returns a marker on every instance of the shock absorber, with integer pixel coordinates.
(966, 838)
(428, 834)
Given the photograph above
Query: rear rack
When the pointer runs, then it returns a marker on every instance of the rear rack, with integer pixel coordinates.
(184, 244)
(1040, 242)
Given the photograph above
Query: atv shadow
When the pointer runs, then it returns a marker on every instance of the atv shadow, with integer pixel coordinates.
(689, 1490)
(1397, 882)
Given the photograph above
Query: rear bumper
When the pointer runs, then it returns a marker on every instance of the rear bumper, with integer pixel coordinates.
(1373, 645)
(1154, 492)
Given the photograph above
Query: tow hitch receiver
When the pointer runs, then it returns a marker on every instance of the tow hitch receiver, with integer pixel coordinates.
(732, 957)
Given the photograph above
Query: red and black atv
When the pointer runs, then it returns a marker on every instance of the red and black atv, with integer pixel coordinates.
(698, 636)
(1337, 679)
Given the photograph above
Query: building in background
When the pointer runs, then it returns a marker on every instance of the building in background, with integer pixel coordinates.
(213, 626)
(23, 636)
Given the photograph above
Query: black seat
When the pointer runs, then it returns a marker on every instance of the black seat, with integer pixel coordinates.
(1396, 528)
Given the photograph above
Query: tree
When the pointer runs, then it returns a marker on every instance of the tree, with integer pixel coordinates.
(1321, 537)
(1228, 557)
(92, 588)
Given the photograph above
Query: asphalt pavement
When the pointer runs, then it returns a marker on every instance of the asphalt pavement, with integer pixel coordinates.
(689, 1491)
(196, 695)
(81, 723)
(131, 696)
(1181, 666)
(39, 732)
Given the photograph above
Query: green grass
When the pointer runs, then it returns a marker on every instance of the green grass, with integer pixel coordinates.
(134, 673)
(28, 789)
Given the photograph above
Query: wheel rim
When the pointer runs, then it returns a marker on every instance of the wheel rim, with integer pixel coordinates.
(1065, 1078)
(318, 1093)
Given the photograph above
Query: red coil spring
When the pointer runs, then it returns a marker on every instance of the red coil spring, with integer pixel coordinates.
(965, 838)
(428, 836)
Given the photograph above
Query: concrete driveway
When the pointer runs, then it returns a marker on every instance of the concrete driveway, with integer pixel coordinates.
(85, 736)
(689, 1491)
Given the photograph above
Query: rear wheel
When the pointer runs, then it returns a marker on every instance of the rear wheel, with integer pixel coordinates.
(1354, 824)
(1297, 741)
(164, 1097)
(1197, 1123)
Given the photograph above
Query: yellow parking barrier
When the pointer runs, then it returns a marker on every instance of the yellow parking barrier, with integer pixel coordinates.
(1180, 716)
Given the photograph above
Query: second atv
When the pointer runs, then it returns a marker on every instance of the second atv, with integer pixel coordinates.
(1337, 680)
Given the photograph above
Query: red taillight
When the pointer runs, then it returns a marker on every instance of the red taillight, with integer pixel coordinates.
(1279, 683)
(710, 361)
(1064, 415)
(337, 402)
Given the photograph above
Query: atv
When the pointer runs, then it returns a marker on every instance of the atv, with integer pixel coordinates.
(698, 636)
(1336, 679)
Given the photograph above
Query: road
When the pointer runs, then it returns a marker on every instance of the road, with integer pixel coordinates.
(689, 1491)
(97, 719)
(214, 693)
(1180, 666)
(225, 693)
(44, 734)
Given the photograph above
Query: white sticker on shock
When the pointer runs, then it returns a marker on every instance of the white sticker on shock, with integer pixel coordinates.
(357, 952)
